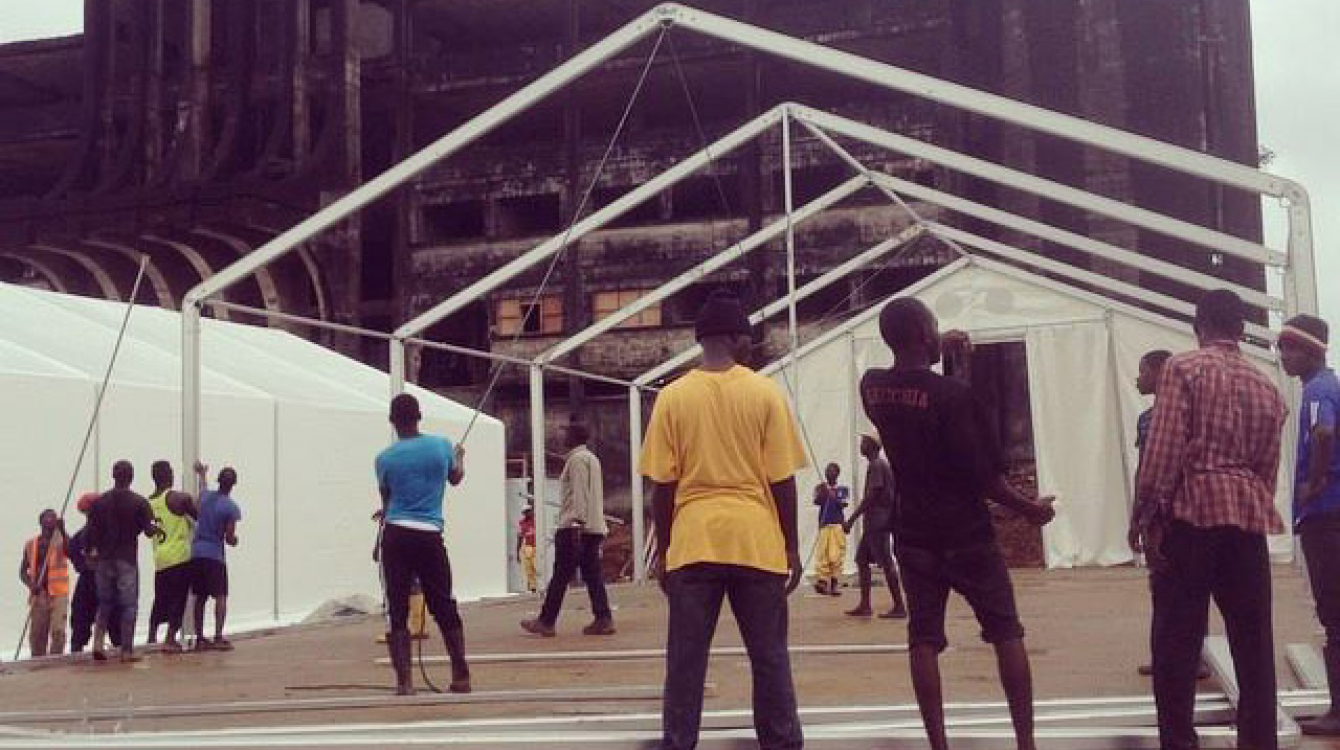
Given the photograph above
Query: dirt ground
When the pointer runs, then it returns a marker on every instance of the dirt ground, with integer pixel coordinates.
(1087, 631)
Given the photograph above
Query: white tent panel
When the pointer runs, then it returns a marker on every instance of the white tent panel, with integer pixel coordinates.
(301, 424)
(1082, 353)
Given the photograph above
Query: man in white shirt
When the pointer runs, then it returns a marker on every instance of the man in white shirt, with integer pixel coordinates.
(581, 532)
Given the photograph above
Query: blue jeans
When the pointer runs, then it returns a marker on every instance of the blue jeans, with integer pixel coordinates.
(118, 598)
(758, 600)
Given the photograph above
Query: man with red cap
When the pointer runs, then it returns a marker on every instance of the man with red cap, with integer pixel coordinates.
(1316, 501)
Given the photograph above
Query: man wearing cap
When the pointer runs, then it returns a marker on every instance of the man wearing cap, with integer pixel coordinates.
(723, 449)
(412, 475)
(1316, 503)
(45, 572)
(879, 508)
(1204, 504)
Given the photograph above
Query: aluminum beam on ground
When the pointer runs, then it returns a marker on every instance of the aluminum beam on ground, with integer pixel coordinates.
(1210, 708)
(988, 170)
(537, 695)
(702, 270)
(825, 738)
(1307, 665)
(659, 653)
(1218, 657)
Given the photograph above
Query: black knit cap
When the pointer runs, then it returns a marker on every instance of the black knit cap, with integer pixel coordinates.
(722, 314)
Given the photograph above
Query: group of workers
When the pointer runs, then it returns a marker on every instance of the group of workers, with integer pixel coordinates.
(188, 534)
(723, 448)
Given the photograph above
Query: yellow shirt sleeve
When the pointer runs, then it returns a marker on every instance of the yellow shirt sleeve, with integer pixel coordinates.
(659, 461)
(783, 450)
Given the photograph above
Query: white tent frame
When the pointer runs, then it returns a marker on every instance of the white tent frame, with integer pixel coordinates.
(1300, 282)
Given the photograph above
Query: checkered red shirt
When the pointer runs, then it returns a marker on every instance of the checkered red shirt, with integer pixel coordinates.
(1214, 449)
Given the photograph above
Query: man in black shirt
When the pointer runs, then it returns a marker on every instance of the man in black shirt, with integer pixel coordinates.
(879, 509)
(114, 527)
(947, 465)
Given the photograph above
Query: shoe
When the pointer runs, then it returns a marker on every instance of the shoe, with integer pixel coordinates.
(1328, 724)
(221, 644)
(98, 655)
(129, 657)
(202, 644)
(897, 613)
(861, 611)
(821, 587)
(460, 671)
(600, 626)
(397, 646)
(536, 627)
(171, 647)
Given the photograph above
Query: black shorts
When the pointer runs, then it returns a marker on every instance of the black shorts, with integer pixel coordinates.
(977, 572)
(210, 579)
(170, 588)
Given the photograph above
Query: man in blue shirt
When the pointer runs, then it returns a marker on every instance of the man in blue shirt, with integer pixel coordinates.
(412, 475)
(1316, 504)
(216, 526)
(831, 556)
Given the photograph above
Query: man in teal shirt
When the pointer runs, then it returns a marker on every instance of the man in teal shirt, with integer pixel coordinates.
(412, 475)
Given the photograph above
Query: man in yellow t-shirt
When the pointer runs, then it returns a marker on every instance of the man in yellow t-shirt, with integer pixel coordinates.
(723, 449)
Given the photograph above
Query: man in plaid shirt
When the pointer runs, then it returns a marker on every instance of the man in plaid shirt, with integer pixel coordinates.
(1205, 501)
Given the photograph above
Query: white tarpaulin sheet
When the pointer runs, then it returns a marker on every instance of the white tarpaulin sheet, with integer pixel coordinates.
(1082, 352)
(301, 424)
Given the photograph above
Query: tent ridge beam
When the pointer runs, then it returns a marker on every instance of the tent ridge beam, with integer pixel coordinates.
(1049, 189)
(711, 265)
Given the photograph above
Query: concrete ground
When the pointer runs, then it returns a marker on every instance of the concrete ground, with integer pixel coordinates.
(1087, 632)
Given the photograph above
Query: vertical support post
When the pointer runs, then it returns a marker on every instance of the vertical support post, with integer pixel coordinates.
(788, 198)
(537, 471)
(190, 384)
(397, 366)
(635, 485)
(1300, 288)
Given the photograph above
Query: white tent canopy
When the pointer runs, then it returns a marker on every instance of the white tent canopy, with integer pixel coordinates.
(300, 423)
(1083, 352)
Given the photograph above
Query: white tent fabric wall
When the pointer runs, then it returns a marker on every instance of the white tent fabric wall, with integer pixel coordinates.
(1082, 352)
(301, 425)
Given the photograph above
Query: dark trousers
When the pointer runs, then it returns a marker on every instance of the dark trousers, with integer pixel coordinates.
(1232, 567)
(574, 549)
(758, 599)
(408, 554)
(84, 612)
(1320, 536)
(171, 586)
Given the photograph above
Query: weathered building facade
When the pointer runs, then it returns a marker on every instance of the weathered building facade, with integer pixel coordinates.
(193, 131)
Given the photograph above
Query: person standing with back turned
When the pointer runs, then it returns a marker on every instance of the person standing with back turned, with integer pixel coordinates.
(723, 450)
(1204, 503)
(412, 475)
(217, 527)
(948, 465)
